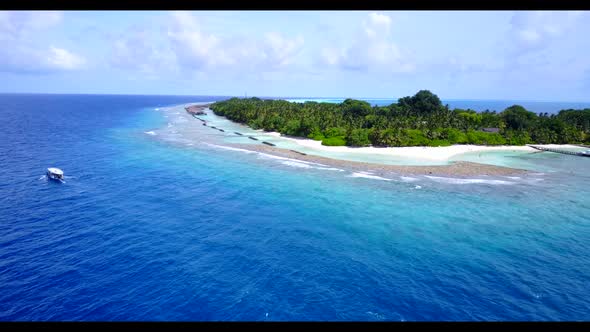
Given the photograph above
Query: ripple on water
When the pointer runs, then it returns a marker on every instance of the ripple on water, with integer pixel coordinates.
(368, 175)
(468, 181)
(150, 231)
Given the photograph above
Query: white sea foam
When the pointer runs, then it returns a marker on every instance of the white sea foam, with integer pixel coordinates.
(367, 175)
(296, 164)
(408, 179)
(285, 161)
(418, 187)
(45, 178)
(299, 163)
(514, 177)
(270, 156)
(533, 180)
(468, 181)
(150, 133)
(231, 149)
(376, 315)
(302, 164)
(330, 169)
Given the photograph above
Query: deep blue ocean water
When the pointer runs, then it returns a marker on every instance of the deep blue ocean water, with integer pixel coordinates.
(145, 229)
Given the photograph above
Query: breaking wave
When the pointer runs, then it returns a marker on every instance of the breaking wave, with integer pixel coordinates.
(468, 181)
(285, 161)
(408, 179)
(367, 175)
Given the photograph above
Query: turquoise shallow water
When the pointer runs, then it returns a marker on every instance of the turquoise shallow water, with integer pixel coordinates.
(156, 221)
(182, 127)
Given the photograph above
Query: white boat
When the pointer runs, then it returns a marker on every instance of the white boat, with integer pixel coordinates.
(55, 173)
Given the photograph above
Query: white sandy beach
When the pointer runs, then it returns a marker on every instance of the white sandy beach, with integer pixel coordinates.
(443, 153)
(450, 160)
(457, 160)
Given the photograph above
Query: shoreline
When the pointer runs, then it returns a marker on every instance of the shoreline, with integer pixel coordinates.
(430, 153)
(459, 168)
(425, 153)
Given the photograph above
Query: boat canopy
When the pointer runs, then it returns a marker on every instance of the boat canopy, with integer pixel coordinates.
(55, 171)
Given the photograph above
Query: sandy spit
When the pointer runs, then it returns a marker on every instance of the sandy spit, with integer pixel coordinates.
(460, 168)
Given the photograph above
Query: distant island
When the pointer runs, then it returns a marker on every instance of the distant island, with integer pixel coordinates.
(419, 120)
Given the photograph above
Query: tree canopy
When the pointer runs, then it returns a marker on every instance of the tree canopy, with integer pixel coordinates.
(517, 117)
(423, 102)
(419, 120)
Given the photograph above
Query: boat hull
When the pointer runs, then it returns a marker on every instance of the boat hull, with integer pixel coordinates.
(54, 177)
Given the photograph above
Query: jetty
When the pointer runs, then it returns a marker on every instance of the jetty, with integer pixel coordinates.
(196, 110)
(571, 153)
(301, 153)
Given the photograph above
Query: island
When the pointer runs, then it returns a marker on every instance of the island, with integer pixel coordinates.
(419, 120)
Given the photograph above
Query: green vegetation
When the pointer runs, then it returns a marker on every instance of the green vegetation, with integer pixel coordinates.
(420, 120)
(334, 141)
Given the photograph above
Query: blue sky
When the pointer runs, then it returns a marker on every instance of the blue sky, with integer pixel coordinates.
(457, 55)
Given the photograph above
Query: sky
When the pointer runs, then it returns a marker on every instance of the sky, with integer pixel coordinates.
(509, 55)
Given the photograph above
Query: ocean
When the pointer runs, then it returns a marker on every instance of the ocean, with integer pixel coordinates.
(157, 220)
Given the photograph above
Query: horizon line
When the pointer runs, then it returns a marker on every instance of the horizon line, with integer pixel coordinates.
(285, 97)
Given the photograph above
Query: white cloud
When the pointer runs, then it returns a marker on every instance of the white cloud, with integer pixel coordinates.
(377, 25)
(43, 19)
(332, 55)
(138, 50)
(64, 59)
(194, 48)
(186, 44)
(533, 47)
(21, 54)
(535, 30)
(371, 50)
(280, 51)
(21, 24)
(27, 59)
